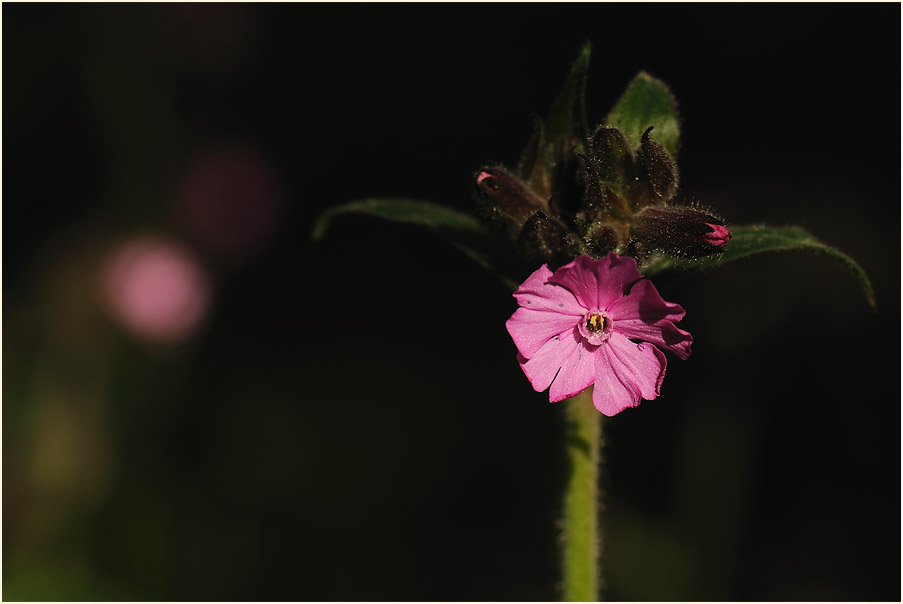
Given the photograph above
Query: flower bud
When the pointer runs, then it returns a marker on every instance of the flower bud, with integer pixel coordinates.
(588, 182)
(657, 168)
(567, 192)
(684, 232)
(612, 156)
(530, 166)
(547, 238)
(507, 195)
(602, 238)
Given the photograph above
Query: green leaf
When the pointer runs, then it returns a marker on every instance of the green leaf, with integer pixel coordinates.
(411, 211)
(647, 102)
(570, 104)
(755, 239)
(452, 225)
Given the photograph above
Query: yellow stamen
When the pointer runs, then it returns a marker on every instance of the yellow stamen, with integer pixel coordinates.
(595, 323)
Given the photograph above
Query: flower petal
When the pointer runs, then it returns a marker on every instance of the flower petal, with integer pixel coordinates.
(625, 372)
(645, 303)
(530, 329)
(597, 283)
(578, 370)
(664, 334)
(644, 315)
(537, 294)
(542, 368)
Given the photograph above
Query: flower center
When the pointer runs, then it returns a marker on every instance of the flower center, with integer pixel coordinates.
(595, 327)
(595, 323)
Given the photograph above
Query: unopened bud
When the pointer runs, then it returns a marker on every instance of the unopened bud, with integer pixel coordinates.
(567, 193)
(602, 238)
(612, 156)
(657, 168)
(508, 195)
(529, 166)
(680, 231)
(547, 238)
(588, 181)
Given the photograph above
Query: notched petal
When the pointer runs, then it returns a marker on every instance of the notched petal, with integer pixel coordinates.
(531, 329)
(543, 366)
(537, 293)
(578, 371)
(627, 371)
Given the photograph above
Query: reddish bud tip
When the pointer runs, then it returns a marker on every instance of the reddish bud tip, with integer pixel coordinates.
(483, 176)
(719, 236)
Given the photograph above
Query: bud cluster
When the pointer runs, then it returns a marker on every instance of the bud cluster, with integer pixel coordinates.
(594, 195)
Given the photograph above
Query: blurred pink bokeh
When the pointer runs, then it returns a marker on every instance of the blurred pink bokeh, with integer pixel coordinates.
(230, 201)
(156, 290)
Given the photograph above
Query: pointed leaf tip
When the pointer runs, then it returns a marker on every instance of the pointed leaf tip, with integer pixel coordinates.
(756, 239)
(647, 102)
(568, 112)
(409, 211)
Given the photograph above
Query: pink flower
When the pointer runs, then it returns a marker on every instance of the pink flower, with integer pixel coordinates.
(596, 323)
(156, 290)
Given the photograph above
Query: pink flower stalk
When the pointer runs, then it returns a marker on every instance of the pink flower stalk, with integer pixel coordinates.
(596, 323)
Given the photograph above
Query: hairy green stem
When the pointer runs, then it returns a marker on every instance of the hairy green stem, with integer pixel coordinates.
(581, 541)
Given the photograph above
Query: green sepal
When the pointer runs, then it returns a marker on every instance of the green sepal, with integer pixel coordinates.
(530, 156)
(568, 112)
(612, 157)
(647, 102)
(755, 239)
(411, 211)
(658, 168)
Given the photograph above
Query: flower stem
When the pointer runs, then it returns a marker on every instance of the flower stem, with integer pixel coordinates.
(580, 538)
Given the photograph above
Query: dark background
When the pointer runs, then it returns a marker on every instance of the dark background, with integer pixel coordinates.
(349, 423)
